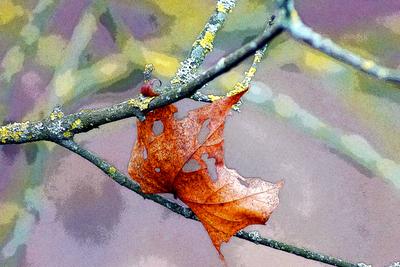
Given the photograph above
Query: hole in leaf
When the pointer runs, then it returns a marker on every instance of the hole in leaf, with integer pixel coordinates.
(181, 114)
(184, 107)
(191, 166)
(212, 170)
(144, 153)
(157, 170)
(204, 131)
(158, 127)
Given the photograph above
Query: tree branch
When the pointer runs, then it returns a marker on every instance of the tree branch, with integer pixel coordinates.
(299, 31)
(203, 44)
(252, 236)
(123, 180)
(223, 65)
(353, 145)
(245, 83)
(58, 126)
(61, 128)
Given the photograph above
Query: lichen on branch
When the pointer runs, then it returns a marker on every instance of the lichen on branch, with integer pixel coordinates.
(61, 128)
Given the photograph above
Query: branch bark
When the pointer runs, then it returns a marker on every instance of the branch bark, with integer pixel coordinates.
(301, 32)
(60, 128)
(252, 236)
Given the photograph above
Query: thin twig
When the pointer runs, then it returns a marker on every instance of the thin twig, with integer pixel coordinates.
(223, 65)
(252, 236)
(352, 145)
(245, 83)
(299, 31)
(203, 44)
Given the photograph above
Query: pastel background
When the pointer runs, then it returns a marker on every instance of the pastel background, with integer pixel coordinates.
(342, 190)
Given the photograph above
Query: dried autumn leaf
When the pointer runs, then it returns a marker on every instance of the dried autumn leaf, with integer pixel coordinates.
(158, 163)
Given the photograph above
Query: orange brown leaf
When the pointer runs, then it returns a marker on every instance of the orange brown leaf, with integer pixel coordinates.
(176, 160)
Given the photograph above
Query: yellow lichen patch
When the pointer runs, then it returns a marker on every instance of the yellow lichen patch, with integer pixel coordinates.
(67, 134)
(56, 115)
(64, 84)
(294, 16)
(250, 73)
(239, 87)
(141, 104)
(112, 170)
(213, 97)
(258, 57)
(76, 124)
(9, 11)
(147, 72)
(12, 132)
(164, 64)
(24, 125)
(175, 80)
(50, 50)
(4, 132)
(16, 135)
(368, 64)
(207, 41)
(221, 8)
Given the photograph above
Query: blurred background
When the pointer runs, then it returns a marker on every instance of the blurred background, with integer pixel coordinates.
(332, 133)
